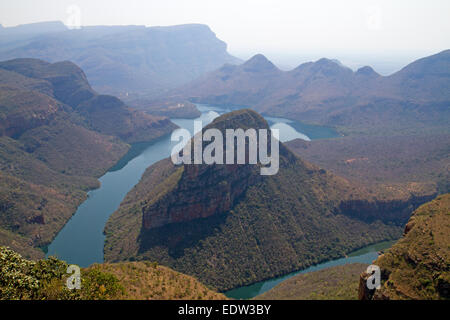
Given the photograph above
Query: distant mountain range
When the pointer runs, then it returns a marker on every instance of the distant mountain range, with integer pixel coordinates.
(127, 61)
(57, 135)
(326, 92)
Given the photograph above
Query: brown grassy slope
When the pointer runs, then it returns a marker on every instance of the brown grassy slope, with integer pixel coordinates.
(19, 81)
(400, 164)
(44, 177)
(418, 265)
(73, 149)
(109, 115)
(335, 283)
(149, 281)
(22, 109)
(48, 160)
(50, 152)
(102, 113)
(34, 212)
(20, 243)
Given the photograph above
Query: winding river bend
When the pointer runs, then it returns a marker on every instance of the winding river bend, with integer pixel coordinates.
(365, 255)
(81, 240)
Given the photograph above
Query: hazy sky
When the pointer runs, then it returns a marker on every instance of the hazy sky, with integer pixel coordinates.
(397, 28)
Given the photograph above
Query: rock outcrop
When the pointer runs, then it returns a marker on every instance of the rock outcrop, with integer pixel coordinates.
(205, 190)
(230, 226)
(202, 191)
(418, 265)
(395, 210)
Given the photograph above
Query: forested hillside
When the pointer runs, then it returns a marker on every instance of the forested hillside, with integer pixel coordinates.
(229, 226)
(57, 135)
(418, 265)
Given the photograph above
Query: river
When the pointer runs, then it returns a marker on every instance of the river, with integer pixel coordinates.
(365, 255)
(81, 240)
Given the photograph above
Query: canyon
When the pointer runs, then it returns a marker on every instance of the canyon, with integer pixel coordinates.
(200, 219)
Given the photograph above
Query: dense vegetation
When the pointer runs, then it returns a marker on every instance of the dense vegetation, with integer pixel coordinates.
(418, 265)
(335, 283)
(56, 137)
(46, 280)
(279, 224)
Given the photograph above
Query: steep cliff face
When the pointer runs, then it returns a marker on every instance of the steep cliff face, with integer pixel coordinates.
(204, 190)
(418, 265)
(201, 192)
(395, 210)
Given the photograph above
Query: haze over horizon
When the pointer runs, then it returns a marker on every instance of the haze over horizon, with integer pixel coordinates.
(384, 34)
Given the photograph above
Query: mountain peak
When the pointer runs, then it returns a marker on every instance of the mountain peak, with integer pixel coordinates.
(436, 64)
(330, 63)
(259, 63)
(367, 71)
(326, 61)
(330, 67)
(243, 118)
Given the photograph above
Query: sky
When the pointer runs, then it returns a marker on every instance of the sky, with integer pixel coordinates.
(383, 32)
